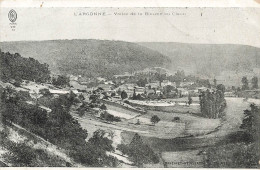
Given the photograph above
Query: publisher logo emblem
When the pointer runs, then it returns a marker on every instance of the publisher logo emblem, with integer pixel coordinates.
(12, 15)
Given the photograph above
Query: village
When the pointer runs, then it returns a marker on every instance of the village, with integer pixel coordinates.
(153, 104)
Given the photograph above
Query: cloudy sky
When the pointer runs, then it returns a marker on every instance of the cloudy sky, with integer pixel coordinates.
(188, 25)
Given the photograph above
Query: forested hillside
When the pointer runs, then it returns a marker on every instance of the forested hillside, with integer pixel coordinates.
(208, 59)
(89, 58)
(13, 66)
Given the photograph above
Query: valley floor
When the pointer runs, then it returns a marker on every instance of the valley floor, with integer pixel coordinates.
(186, 136)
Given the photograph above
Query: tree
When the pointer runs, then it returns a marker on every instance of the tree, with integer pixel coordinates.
(221, 87)
(123, 95)
(108, 117)
(155, 119)
(113, 94)
(179, 76)
(251, 120)
(245, 83)
(160, 78)
(139, 97)
(62, 81)
(254, 82)
(142, 82)
(17, 83)
(215, 82)
(139, 152)
(208, 83)
(189, 100)
(136, 141)
(134, 95)
(38, 115)
(212, 105)
(94, 98)
(167, 89)
(103, 107)
(100, 141)
(45, 92)
(81, 97)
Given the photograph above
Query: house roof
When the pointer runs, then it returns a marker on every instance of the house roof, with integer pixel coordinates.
(105, 86)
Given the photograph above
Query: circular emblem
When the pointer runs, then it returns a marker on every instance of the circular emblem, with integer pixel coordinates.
(12, 15)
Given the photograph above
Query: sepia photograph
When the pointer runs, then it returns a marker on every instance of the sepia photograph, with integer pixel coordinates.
(130, 87)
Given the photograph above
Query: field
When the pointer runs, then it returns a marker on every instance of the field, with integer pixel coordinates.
(180, 142)
(179, 106)
(194, 125)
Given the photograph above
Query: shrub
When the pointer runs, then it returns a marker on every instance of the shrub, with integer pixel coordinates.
(17, 84)
(176, 119)
(103, 107)
(127, 102)
(155, 119)
(108, 117)
(45, 92)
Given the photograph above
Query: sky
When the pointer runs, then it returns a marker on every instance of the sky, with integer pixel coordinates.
(186, 25)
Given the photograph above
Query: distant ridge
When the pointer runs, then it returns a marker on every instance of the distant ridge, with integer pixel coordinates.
(93, 58)
(208, 59)
(89, 58)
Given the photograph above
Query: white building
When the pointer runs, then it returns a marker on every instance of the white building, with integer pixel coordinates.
(168, 83)
(185, 84)
(183, 91)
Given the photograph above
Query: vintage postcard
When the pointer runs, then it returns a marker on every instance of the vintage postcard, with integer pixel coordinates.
(130, 87)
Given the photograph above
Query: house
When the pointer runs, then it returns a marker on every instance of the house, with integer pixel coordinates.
(100, 79)
(158, 92)
(201, 89)
(230, 94)
(150, 91)
(155, 84)
(59, 91)
(183, 91)
(139, 90)
(126, 75)
(186, 84)
(77, 86)
(83, 80)
(74, 78)
(167, 83)
(106, 88)
(109, 82)
(129, 86)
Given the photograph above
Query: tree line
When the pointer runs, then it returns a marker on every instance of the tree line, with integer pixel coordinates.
(212, 104)
(245, 83)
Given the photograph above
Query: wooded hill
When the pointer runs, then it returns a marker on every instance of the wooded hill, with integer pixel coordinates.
(89, 58)
(13, 66)
(208, 59)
